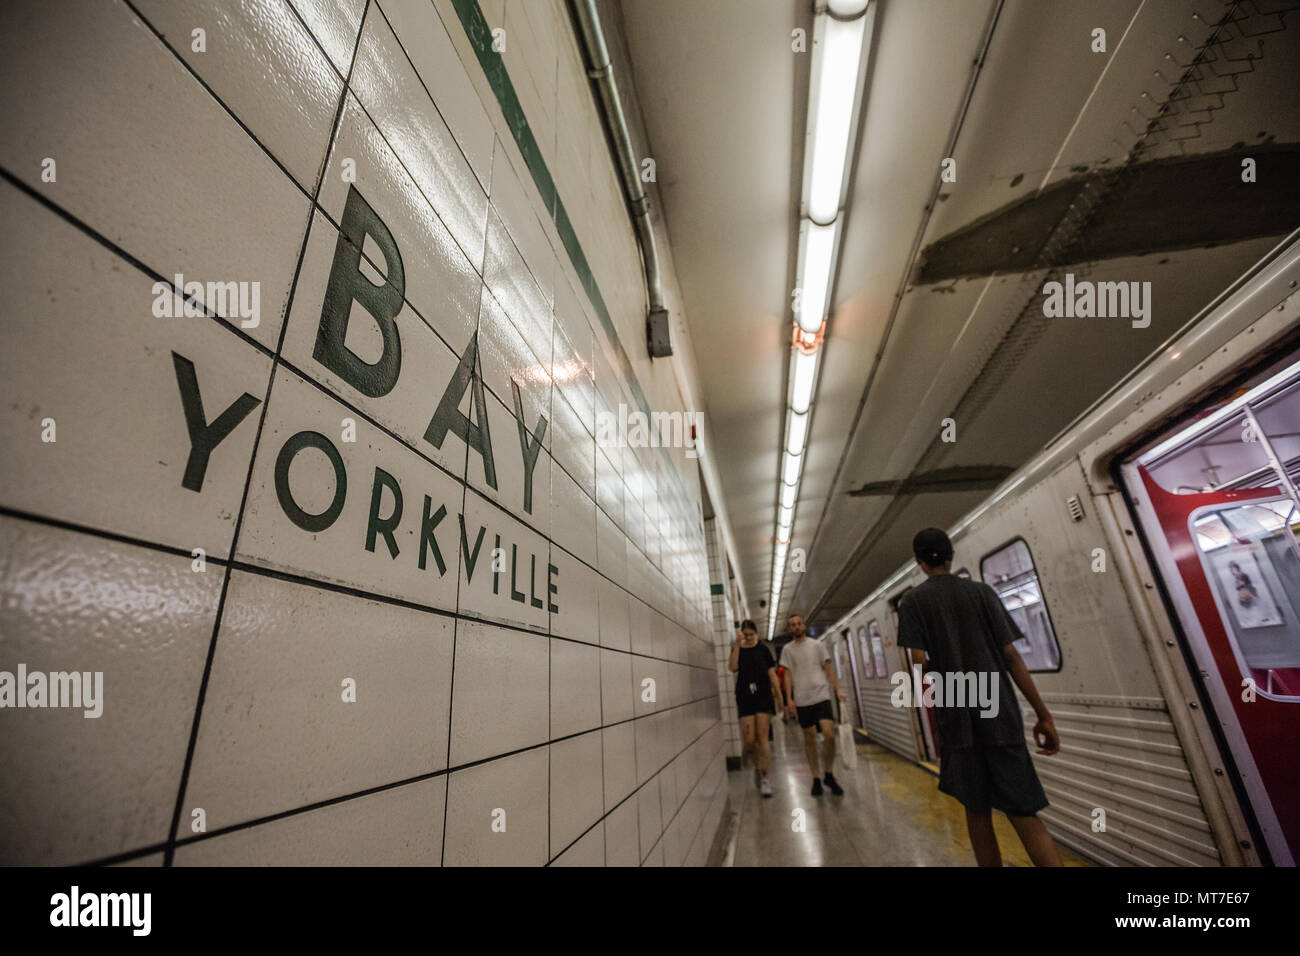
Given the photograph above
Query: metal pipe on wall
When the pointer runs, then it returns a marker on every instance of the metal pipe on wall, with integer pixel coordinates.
(602, 74)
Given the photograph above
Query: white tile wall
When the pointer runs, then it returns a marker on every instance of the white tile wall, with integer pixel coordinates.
(724, 634)
(497, 650)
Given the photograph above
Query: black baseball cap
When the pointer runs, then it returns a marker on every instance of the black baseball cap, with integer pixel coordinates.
(932, 547)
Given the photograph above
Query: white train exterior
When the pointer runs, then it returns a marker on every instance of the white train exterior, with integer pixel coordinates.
(1159, 764)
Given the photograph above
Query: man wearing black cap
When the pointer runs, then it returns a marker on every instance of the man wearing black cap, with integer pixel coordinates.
(962, 628)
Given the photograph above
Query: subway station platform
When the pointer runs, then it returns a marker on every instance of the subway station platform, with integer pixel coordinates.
(411, 410)
(891, 814)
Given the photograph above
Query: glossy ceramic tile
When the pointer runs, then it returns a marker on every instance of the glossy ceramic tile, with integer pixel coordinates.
(486, 719)
(589, 850)
(415, 131)
(618, 744)
(649, 816)
(578, 614)
(429, 47)
(140, 618)
(509, 363)
(575, 687)
(425, 366)
(516, 200)
(613, 615)
(515, 484)
(512, 283)
(497, 813)
(440, 279)
(576, 782)
(104, 119)
(616, 688)
(335, 25)
(513, 586)
(265, 66)
(572, 446)
(573, 517)
(301, 518)
(401, 826)
(622, 844)
(315, 695)
(85, 351)
(611, 549)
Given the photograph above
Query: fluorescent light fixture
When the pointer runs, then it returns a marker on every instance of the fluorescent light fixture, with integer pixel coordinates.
(790, 470)
(783, 527)
(788, 495)
(837, 87)
(798, 432)
(818, 260)
(847, 8)
(803, 377)
(785, 517)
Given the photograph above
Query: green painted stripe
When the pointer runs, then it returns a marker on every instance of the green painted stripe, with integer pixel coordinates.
(480, 38)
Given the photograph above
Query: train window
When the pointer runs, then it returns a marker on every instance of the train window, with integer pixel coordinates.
(893, 605)
(1010, 572)
(864, 651)
(878, 649)
(1249, 555)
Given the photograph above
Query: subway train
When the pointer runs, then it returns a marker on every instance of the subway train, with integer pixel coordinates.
(1149, 557)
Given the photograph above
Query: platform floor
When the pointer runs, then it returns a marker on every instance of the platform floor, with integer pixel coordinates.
(891, 814)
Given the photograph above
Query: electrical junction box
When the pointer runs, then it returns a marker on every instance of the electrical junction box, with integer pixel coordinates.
(656, 332)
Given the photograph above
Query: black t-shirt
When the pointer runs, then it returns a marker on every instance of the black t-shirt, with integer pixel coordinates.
(751, 676)
(963, 627)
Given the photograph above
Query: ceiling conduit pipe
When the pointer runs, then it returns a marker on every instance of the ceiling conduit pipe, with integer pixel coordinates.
(601, 72)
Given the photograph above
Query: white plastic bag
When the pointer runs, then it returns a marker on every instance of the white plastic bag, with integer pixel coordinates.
(846, 750)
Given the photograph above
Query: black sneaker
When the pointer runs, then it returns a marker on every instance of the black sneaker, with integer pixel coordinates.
(817, 787)
(833, 784)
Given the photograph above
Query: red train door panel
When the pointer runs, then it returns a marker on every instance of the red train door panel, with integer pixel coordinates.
(1243, 593)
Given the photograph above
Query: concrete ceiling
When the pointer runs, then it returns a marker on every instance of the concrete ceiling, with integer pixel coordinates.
(937, 307)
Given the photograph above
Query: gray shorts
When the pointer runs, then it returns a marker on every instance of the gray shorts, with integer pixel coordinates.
(997, 778)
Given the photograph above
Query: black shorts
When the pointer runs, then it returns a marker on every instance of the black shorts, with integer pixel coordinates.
(747, 704)
(997, 778)
(810, 715)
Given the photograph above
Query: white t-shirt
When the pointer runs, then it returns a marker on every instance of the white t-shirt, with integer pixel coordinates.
(804, 660)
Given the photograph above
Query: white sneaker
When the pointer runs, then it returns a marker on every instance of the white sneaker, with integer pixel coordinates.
(766, 787)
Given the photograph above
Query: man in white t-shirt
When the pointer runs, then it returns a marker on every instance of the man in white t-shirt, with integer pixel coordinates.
(809, 679)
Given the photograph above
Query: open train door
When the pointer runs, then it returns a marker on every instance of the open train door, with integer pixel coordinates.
(1217, 501)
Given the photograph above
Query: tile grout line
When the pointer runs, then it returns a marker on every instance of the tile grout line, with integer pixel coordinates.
(392, 785)
(170, 853)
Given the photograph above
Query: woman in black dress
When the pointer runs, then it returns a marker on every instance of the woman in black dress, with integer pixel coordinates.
(758, 695)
